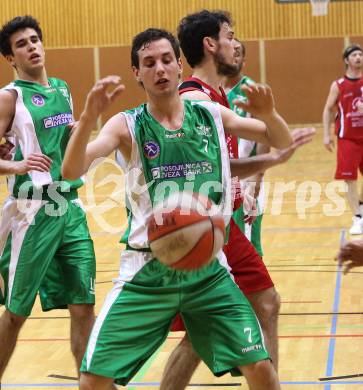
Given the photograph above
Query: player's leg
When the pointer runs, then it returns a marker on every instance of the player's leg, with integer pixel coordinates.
(10, 325)
(134, 320)
(353, 201)
(252, 277)
(24, 262)
(353, 196)
(82, 320)
(348, 160)
(233, 337)
(92, 382)
(266, 305)
(180, 366)
(70, 280)
(261, 375)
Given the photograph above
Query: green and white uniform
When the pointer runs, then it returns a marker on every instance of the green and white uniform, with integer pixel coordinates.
(45, 244)
(247, 148)
(147, 295)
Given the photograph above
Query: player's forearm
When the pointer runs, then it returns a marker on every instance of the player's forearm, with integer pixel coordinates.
(8, 167)
(328, 117)
(278, 133)
(246, 167)
(75, 162)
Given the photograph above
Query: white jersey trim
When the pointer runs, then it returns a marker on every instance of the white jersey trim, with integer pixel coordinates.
(24, 131)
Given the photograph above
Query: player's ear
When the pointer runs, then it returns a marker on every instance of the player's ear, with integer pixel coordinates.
(10, 59)
(180, 67)
(136, 73)
(209, 44)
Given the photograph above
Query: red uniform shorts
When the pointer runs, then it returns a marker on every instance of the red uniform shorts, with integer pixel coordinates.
(349, 159)
(247, 267)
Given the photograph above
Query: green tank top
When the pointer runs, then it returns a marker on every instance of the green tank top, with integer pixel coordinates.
(40, 126)
(246, 148)
(193, 158)
(237, 93)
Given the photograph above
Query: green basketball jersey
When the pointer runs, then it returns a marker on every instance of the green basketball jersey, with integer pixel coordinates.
(246, 148)
(236, 93)
(193, 158)
(40, 126)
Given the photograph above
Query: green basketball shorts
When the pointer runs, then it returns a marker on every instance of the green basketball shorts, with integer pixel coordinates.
(48, 251)
(138, 312)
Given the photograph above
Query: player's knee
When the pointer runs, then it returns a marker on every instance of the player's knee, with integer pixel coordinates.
(86, 382)
(274, 303)
(261, 372)
(268, 306)
(12, 320)
(81, 313)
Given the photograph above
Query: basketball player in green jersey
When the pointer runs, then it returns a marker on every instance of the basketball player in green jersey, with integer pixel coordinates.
(45, 244)
(168, 145)
(233, 84)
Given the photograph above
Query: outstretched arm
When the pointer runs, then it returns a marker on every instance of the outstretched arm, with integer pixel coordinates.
(79, 153)
(270, 128)
(328, 116)
(245, 167)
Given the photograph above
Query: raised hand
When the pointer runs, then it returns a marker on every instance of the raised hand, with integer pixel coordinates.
(102, 95)
(260, 101)
(34, 162)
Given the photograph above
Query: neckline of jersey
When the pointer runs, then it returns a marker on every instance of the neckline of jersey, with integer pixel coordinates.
(165, 128)
(36, 83)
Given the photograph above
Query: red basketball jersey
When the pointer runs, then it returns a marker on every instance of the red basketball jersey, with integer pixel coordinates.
(349, 119)
(195, 84)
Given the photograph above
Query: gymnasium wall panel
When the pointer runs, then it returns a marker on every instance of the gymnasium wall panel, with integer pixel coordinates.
(6, 72)
(252, 66)
(116, 61)
(76, 67)
(300, 72)
(69, 23)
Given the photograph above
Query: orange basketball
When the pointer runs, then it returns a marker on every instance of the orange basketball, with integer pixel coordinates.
(186, 231)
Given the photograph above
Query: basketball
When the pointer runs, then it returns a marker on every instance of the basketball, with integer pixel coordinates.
(186, 231)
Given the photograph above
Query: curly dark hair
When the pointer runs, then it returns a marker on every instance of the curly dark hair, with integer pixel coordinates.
(14, 25)
(195, 27)
(144, 38)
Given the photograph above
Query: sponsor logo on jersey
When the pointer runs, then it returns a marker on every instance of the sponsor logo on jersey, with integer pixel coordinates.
(151, 149)
(64, 92)
(172, 171)
(174, 135)
(256, 347)
(58, 120)
(205, 131)
(38, 100)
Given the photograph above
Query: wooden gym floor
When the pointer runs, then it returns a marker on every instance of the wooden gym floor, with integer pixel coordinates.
(321, 320)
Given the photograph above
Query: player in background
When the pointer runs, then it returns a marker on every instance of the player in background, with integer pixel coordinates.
(233, 84)
(344, 105)
(45, 244)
